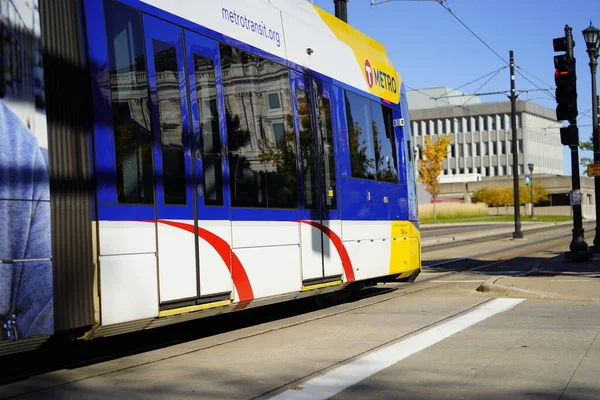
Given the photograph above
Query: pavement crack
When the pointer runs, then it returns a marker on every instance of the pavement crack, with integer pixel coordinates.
(578, 365)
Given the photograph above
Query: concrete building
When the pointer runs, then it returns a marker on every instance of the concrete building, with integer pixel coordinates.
(482, 136)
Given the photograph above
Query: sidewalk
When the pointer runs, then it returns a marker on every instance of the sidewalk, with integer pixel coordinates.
(478, 234)
(554, 278)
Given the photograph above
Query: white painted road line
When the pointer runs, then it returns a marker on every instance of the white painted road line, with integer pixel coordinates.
(341, 378)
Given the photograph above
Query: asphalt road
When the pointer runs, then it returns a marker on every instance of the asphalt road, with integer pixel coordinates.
(429, 231)
(437, 338)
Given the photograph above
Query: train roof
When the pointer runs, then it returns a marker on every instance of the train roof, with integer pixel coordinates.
(300, 32)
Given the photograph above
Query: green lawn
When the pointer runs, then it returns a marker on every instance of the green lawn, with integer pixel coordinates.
(498, 218)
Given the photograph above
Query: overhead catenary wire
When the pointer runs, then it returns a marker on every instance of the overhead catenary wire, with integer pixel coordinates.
(492, 50)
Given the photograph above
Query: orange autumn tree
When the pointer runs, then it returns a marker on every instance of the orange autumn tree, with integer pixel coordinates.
(430, 166)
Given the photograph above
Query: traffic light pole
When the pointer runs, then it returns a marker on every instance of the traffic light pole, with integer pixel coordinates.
(517, 234)
(579, 250)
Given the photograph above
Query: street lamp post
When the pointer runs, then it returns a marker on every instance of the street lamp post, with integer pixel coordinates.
(530, 165)
(592, 41)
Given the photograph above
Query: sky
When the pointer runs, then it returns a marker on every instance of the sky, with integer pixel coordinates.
(430, 48)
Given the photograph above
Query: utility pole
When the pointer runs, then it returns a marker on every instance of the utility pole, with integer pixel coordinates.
(517, 234)
(341, 9)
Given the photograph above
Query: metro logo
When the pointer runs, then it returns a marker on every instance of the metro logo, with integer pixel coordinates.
(381, 79)
(369, 73)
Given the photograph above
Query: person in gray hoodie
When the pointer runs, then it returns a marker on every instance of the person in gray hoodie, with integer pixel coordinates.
(26, 296)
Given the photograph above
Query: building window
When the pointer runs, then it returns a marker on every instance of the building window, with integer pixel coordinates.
(469, 150)
(468, 124)
(262, 158)
(487, 171)
(477, 124)
(435, 126)
(502, 122)
(452, 151)
(274, 101)
(520, 144)
(444, 130)
(496, 171)
(479, 170)
(493, 117)
(427, 124)
(477, 149)
(493, 149)
(460, 125)
(461, 150)
(420, 126)
(485, 123)
(486, 149)
(519, 121)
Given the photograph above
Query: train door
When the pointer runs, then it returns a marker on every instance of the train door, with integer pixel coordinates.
(178, 164)
(172, 162)
(320, 217)
(209, 134)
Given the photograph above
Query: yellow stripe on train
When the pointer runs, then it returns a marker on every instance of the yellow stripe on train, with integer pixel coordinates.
(378, 72)
(406, 248)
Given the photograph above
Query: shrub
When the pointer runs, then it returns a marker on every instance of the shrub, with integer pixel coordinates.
(453, 210)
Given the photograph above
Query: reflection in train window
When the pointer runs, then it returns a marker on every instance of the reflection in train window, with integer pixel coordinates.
(129, 98)
(260, 129)
(171, 130)
(206, 94)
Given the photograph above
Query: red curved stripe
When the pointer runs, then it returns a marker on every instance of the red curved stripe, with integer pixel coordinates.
(337, 242)
(238, 273)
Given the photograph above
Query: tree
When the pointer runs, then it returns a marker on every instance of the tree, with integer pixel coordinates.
(430, 166)
(589, 146)
(495, 196)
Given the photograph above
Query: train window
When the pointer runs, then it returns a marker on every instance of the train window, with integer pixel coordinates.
(260, 131)
(169, 115)
(385, 145)
(129, 99)
(360, 137)
(328, 155)
(307, 150)
(206, 93)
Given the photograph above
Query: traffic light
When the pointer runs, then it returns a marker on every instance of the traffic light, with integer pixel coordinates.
(565, 78)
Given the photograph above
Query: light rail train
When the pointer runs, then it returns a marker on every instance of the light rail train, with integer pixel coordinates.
(167, 160)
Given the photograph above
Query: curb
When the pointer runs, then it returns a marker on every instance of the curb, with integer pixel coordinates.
(491, 287)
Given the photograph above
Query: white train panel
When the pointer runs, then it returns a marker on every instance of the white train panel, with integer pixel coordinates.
(363, 230)
(307, 30)
(312, 260)
(126, 237)
(332, 260)
(128, 288)
(264, 233)
(176, 263)
(272, 270)
(369, 258)
(215, 276)
(257, 23)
